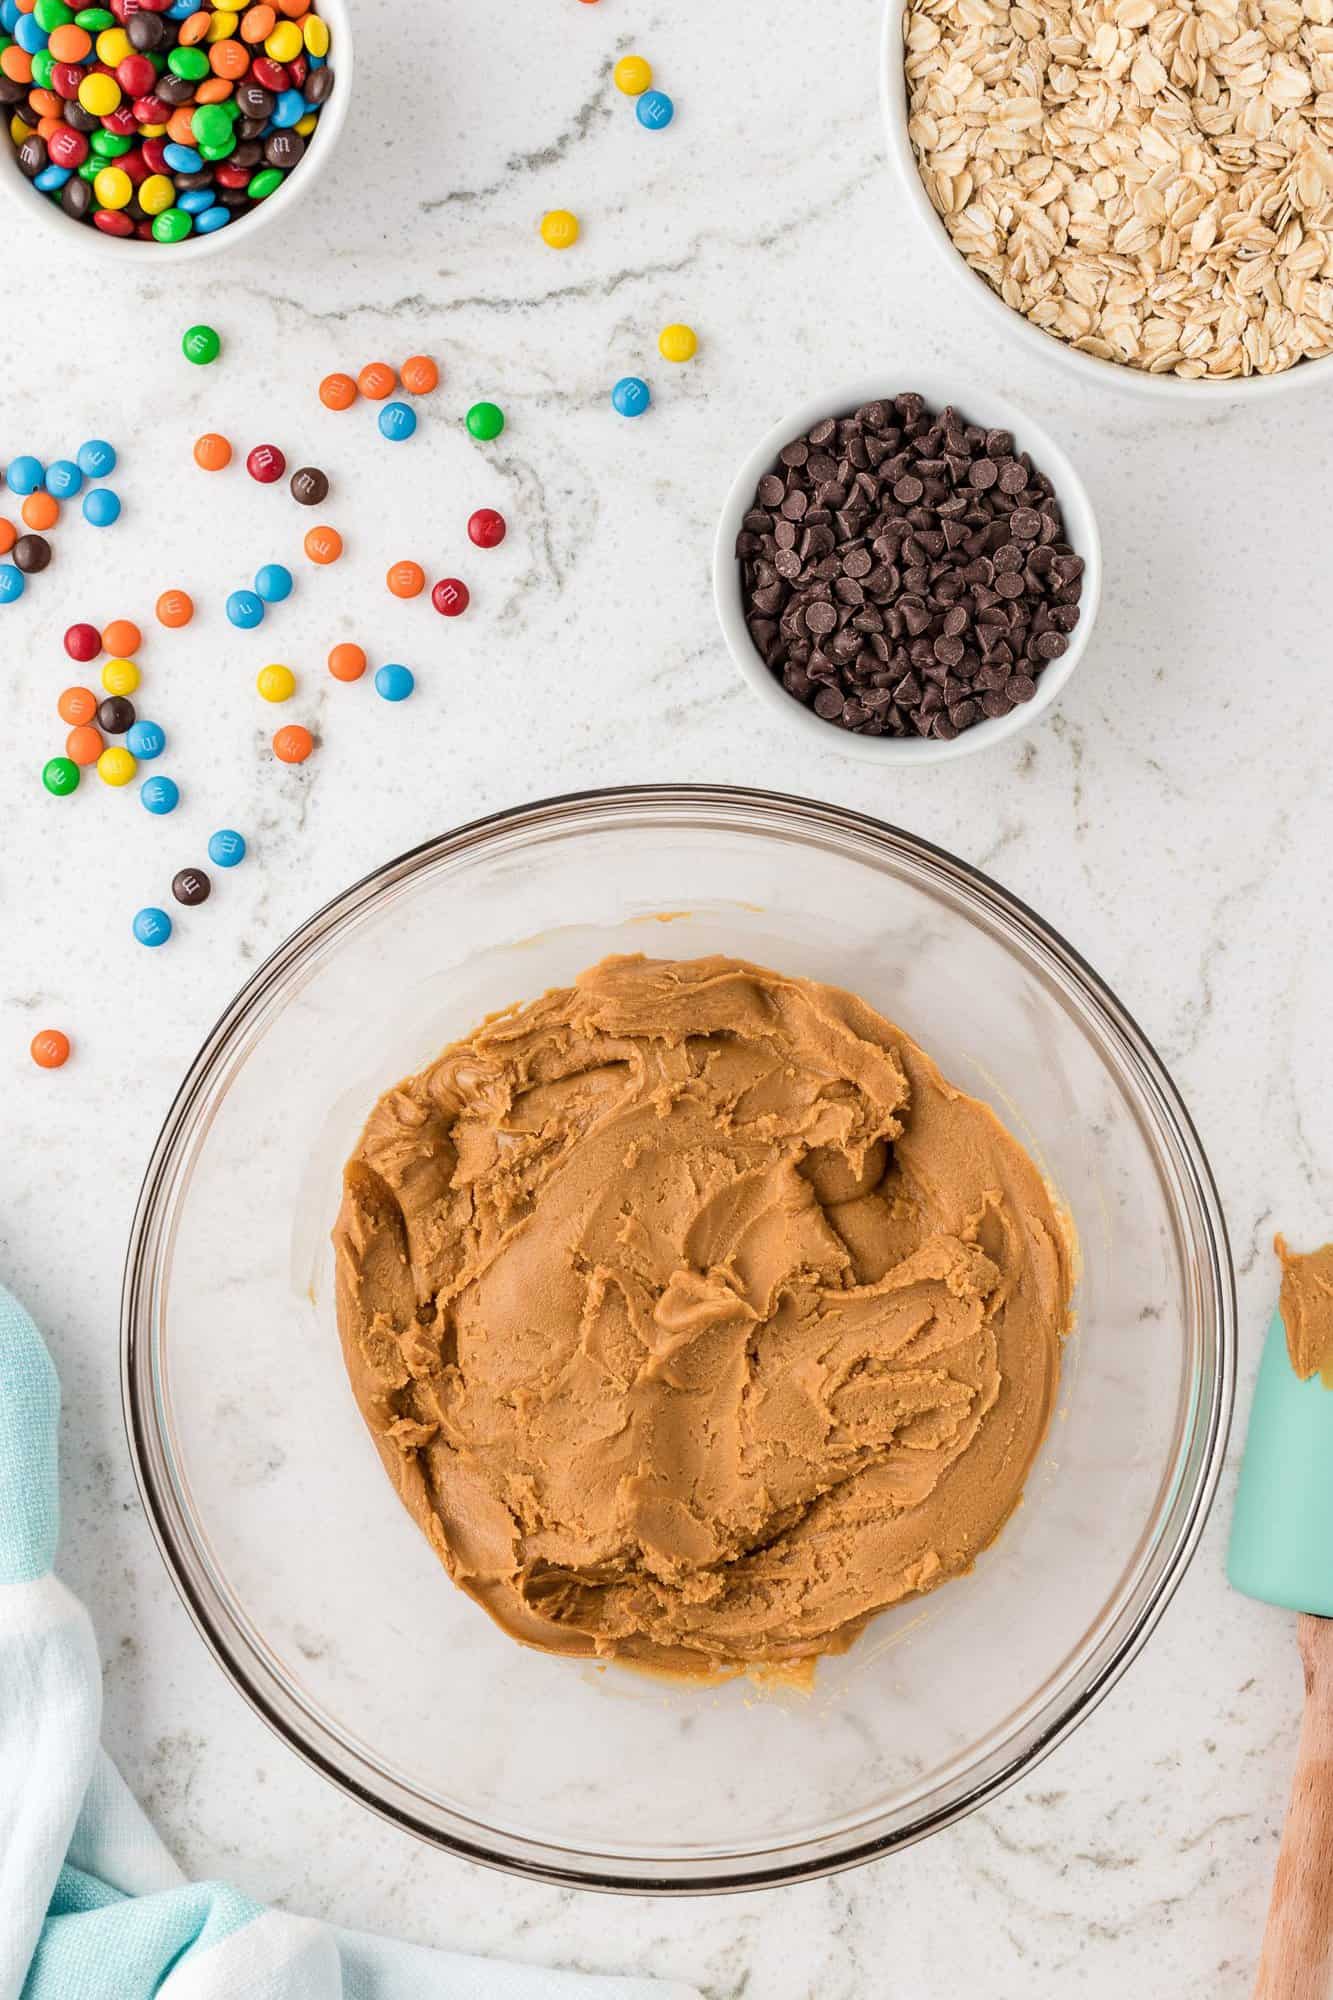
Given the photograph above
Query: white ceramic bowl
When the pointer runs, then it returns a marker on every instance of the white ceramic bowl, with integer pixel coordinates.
(70, 238)
(979, 406)
(1175, 389)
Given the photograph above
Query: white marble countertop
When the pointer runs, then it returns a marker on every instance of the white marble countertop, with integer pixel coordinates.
(1172, 818)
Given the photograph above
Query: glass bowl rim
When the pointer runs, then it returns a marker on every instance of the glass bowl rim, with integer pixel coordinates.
(1188, 1500)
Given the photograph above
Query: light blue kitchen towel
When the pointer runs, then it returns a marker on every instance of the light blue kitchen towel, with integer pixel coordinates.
(92, 1907)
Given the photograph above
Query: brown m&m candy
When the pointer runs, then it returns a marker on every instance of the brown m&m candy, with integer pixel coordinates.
(310, 486)
(191, 886)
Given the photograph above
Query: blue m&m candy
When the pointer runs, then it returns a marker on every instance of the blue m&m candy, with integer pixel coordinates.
(24, 475)
(97, 459)
(274, 584)
(226, 848)
(64, 479)
(397, 421)
(394, 683)
(182, 159)
(631, 396)
(655, 110)
(13, 583)
(101, 506)
(159, 795)
(152, 927)
(146, 740)
(245, 609)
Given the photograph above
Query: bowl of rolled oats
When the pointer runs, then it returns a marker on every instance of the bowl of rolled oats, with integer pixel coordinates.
(1143, 188)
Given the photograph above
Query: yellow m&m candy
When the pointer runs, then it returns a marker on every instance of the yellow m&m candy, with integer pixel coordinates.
(99, 95)
(113, 188)
(560, 229)
(633, 75)
(276, 683)
(116, 766)
(120, 677)
(677, 343)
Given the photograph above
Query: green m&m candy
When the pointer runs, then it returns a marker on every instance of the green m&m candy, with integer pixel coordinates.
(60, 775)
(190, 64)
(173, 225)
(212, 124)
(201, 344)
(266, 182)
(485, 421)
(43, 68)
(49, 14)
(94, 19)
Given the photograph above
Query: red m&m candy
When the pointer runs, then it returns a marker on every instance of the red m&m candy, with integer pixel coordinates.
(487, 528)
(83, 642)
(266, 464)
(450, 597)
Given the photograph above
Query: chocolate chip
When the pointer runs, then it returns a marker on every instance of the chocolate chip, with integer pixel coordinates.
(904, 573)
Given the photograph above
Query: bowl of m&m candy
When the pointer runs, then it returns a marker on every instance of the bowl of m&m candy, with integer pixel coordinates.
(167, 127)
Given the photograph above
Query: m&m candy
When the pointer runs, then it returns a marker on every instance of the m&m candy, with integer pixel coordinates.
(309, 486)
(347, 662)
(64, 479)
(120, 677)
(97, 459)
(201, 344)
(212, 451)
(152, 927)
(631, 396)
(486, 528)
(191, 886)
(420, 375)
(266, 464)
(77, 705)
(226, 848)
(49, 1048)
(376, 381)
(632, 75)
(174, 609)
(101, 507)
(559, 228)
(159, 795)
(450, 597)
(145, 740)
(116, 766)
(323, 545)
(338, 392)
(293, 744)
(13, 583)
(394, 682)
(397, 422)
(655, 110)
(245, 609)
(406, 579)
(276, 683)
(84, 745)
(83, 642)
(485, 421)
(24, 475)
(677, 343)
(275, 583)
(60, 775)
(123, 637)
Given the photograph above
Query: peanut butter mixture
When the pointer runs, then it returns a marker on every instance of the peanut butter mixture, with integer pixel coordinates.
(1306, 1305)
(696, 1317)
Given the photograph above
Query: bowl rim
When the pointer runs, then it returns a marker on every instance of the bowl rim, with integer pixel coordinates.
(937, 386)
(79, 237)
(1185, 1504)
(1175, 389)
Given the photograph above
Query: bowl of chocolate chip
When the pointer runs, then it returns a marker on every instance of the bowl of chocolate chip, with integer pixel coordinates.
(919, 573)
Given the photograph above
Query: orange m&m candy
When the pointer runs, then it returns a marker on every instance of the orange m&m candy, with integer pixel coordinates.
(212, 451)
(406, 579)
(8, 536)
(122, 638)
(49, 1048)
(376, 380)
(77, 705)
(84, 745)
(347, 662)
(175, 608)
(40, 512)
(420, 375)
(323, 545)
(337, 392)
(293, 744)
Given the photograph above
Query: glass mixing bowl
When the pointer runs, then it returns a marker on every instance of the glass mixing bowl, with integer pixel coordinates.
(316, 1591)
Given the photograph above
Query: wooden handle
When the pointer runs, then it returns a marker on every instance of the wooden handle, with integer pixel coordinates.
(1297, 1960)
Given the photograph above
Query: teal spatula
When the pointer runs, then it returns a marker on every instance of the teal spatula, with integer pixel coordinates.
(1282, 1552)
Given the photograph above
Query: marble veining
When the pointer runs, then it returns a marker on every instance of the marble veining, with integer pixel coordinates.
(1171, 818)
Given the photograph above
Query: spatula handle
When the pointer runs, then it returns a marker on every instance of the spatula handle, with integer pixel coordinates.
(1297, 1960)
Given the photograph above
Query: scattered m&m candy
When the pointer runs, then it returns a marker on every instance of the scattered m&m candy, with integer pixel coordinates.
(486, 528)
(266, 464)
(12, 583)
(275, 583)
(226, 848)
(77, 706)
(420, 375)
(116, 766)
(201, 344)
(309, 486)
(293, 744)
(631, 396)
(23, 475)
(245, 610)
(450, 597)
(60, 775)
(398, 421)
(145, 740)
(677, 343)
(96, 459)
(120, 677)
(633, 75)
(159, 795)
(394, 682)
(655, 110)
(485, 421)
(191, 886)
(101, 507)
(122, 637)
(175, 608)
(64, 479)
(276, 683)
(559, 228)
(406, 579)
(152, 927)
(338, 392)
(347, 662)
(376, 380)
(49, 1048)
(323, 545)
(83, 642)
(212, 451)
